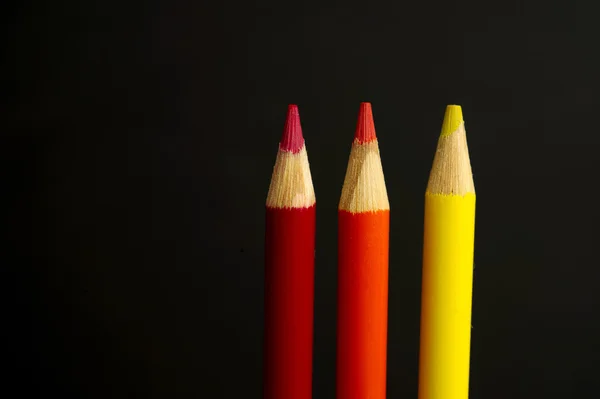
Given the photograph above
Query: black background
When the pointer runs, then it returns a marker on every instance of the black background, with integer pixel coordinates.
(137, 155)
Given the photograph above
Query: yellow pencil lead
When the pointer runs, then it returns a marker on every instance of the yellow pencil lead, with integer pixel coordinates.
(452, 120)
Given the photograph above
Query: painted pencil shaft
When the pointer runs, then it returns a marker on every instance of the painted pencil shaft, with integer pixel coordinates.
(289, 288)
(446, 296)
(363, 304)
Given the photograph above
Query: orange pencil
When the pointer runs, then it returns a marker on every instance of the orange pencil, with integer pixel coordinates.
(363, 241)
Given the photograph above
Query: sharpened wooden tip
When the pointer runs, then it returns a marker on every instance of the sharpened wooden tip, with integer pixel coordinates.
(291, 182)
(452, 119)
(451, 170)
(364, 185)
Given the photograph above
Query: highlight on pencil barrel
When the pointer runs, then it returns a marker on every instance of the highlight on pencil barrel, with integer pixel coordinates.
(363, 246)
(289, 269)
(447, 279)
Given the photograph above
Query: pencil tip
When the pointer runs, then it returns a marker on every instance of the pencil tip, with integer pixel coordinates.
(452, 119)
(292, 139)
(365, 128)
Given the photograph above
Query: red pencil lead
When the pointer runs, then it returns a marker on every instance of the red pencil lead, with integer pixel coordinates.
(292, 140)
(365, 128)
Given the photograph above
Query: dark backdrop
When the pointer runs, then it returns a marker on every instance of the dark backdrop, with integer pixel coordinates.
(139, 142)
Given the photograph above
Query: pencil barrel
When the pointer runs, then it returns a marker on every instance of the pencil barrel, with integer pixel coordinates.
(289, 299)
(363, 246)
(447, 283)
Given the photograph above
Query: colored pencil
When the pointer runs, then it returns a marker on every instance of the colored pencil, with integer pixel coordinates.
(363, 242)
(447, 266)
(289, 269)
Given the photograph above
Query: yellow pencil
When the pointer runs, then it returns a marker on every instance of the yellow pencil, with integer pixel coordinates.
(447, 266)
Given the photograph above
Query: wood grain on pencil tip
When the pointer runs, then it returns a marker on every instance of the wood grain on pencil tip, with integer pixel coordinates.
(364, 187)
(291, 182)
(451, 170)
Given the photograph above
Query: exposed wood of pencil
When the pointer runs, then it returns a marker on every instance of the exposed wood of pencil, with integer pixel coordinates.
(363, 245)
(289, 270)
(447, 266)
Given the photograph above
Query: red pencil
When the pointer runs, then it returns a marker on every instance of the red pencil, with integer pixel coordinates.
(363, 241)
(289, 269)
